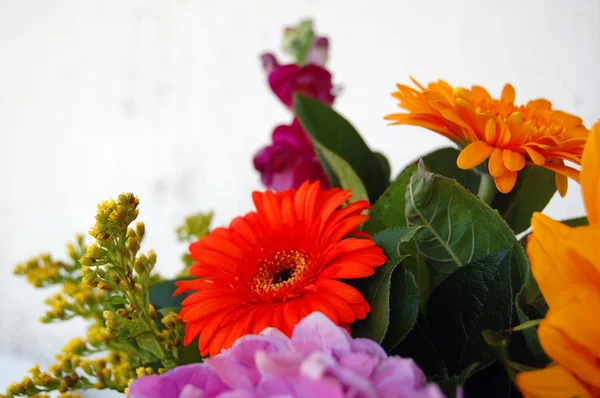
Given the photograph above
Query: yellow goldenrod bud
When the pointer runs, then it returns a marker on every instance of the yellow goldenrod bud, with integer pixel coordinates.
(140, 372)
(141, 265)
(86, 261)
(152, 311)
(122, 312)
(89, 279)
(106, 287)
(140, 229)
(95, 252)
(134, 243)
(72, 252)
(152, 257)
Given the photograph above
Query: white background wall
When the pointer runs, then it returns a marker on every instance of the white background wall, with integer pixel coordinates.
(167, 99)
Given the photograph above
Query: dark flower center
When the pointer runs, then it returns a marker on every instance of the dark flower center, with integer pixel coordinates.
(283, 276)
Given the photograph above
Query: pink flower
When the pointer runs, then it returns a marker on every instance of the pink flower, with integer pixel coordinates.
(289, 160)
(319, 360)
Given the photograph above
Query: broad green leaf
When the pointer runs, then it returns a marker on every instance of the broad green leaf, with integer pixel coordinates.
(333, 180)
(532, 192)
(456, 227)
(389, 210)
(335, 133)
(478, 296)
(146, 342)
(576, 222)
(346, 176)
(376, 288)
(443, 162)
(161, 294)
(450, 386)
(189, 354)
(384, 164)
(404, 308)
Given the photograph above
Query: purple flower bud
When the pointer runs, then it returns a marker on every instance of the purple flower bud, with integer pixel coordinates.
(311, 80)
(289, 160)
(319, 52)
(269, 63)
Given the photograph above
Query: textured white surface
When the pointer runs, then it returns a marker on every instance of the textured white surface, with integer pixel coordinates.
(167, 99)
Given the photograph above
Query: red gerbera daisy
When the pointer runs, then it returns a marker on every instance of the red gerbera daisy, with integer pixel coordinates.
(274, 266)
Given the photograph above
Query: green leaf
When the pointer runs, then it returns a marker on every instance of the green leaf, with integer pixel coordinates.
(456, 227)
(576, 222)
(384, 163)
(450, 386)
(189, 354)
(161, 294)
(389, 210)
(346, 176)
(476, 297)
(532, 192)
(404, 308)
(116, 300)
(376, 288)
(335, 133)
(443, 162)
(146, 342)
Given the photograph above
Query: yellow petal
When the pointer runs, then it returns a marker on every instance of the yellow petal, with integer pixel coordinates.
(562, 184)
(513, 161)
(507, 182)
(590, 175)
(551, 382)
(508, 93)
(561, 255)
(570, 334)
(496, 163)
(473, 155)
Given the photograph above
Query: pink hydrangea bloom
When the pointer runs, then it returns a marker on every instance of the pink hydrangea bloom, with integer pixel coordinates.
(320, 360)
(289, 160)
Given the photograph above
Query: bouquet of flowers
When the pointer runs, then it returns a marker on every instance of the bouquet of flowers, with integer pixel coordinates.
(346, 281)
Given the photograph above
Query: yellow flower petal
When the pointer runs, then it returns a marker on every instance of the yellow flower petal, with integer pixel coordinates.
(507, 182)
(496, 164)
(590, 175)
(551, 382)
(570, 334)
(473, 155)
(537, 158)
(562, 169)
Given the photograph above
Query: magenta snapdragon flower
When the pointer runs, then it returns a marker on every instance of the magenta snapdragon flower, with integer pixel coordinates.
(289, 160)
(320, 360)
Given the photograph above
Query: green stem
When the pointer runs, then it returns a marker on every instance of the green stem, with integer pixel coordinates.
(487, 188)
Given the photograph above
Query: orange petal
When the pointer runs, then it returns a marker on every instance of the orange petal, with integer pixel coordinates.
(562, 169)
(513, 161)
(496, 164)
(562, 184)
(474, 154)
(570, 334)
(506, 183)
(590, 175)
(490, 131)
(561, 255)
(508, 93)
(535, 156)
(551, 382)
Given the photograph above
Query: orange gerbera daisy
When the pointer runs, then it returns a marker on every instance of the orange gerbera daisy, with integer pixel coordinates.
(565, 262)
(509, 135)
(274, 266)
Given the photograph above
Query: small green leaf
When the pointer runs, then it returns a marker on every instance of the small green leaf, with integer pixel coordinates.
(476, 297)
(146, 342)
(499, 346)
(161, 294)
(189, 354)
(346, 176)
(526, 325)
(335, 133)
(376, 288)
(450, 386)
(116, 300)
(389, 210)
(532, 192)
